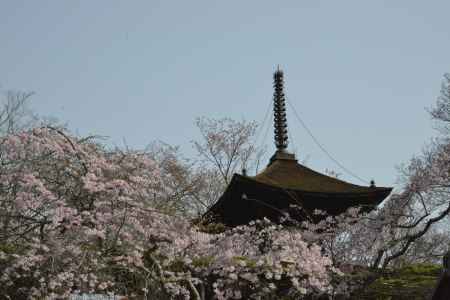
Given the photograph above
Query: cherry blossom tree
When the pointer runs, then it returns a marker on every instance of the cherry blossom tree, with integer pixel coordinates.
(15, 114)
(424, 201)
(76, 217)
(227, 146)
(408, 224)
(194, 187)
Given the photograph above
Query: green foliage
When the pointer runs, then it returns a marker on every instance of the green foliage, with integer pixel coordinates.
(212, 228)
(8, 248)
(248, 262)
(178, 266)
(415, 282)
(202, 261)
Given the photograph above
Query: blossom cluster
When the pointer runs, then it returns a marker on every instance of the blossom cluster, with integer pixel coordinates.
(77, 217)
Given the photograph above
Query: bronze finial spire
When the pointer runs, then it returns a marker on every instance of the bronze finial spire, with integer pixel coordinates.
(279, 109)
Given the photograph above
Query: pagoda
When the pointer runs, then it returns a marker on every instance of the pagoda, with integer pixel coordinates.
(285, 183)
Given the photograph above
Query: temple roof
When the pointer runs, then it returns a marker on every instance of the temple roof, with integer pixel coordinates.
(289, 174)
(247, 198)
(285, 182)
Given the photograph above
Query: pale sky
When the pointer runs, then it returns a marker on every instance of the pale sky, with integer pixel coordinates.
(360, 73)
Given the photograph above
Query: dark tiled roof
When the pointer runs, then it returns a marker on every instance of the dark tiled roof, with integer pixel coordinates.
(288, 174)
(247, 199)
(285, 182)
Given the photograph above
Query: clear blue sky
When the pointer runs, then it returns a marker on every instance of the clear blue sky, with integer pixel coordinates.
(360, 73)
